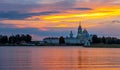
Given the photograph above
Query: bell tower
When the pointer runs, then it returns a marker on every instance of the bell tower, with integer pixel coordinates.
(79, 34)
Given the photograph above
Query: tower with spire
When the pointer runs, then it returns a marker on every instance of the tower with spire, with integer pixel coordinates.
(71, 34)
(79, 33)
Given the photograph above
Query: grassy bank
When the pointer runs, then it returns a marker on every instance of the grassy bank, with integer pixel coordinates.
(105, 45)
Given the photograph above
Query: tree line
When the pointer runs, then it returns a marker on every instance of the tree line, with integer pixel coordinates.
(15, 39)
(105, 40)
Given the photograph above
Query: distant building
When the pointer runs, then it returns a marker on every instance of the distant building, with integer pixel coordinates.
(82, 38)
(51, 40)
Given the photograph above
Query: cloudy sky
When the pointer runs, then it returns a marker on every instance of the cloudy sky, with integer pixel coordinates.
(42, 18)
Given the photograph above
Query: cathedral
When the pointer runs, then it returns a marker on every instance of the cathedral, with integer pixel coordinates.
(82, 38)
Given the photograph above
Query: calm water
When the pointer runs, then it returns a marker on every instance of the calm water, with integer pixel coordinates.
(67, 58)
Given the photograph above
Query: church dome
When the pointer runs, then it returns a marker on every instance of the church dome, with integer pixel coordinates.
(85, 31)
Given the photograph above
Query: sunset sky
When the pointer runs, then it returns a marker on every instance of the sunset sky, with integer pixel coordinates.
(43, 18)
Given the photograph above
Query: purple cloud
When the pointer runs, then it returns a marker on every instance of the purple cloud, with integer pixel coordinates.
(17, 15)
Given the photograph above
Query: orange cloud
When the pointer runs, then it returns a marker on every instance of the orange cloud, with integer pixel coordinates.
(69, 18)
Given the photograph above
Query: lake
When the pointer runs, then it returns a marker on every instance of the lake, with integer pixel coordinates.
(59, 58)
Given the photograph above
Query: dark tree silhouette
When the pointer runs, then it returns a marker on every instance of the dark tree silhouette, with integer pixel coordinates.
(28, 38)
(61, 40)
(12, 39)
(23, 37)
(15, 39)
(0, 39)
(95, 39)
(4, 39)
(105, 40)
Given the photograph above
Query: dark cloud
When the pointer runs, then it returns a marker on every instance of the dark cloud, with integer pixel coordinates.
(19, 1)
(17, 15)
(82, 9)
(20, 11)
(28, 5)
(21, 7)
(18, 7)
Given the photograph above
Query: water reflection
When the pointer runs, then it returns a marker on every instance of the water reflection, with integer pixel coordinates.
(59, 59)
(99, 59)
(15, 59)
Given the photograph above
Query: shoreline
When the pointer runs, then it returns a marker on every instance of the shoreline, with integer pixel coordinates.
(92, 46)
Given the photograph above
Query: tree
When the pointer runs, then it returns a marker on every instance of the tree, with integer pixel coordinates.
(103, 40)
(28, 38)
(95, 39)
(61, 40)
(4, 39)
(12, 39)
(0, 39)
(17, 39)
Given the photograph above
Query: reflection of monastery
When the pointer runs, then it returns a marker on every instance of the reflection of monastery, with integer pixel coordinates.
(82, 38)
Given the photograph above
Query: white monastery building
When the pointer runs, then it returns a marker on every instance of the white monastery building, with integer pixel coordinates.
(82, 38)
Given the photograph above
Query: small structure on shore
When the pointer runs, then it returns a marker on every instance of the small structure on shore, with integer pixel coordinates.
(82, 38)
